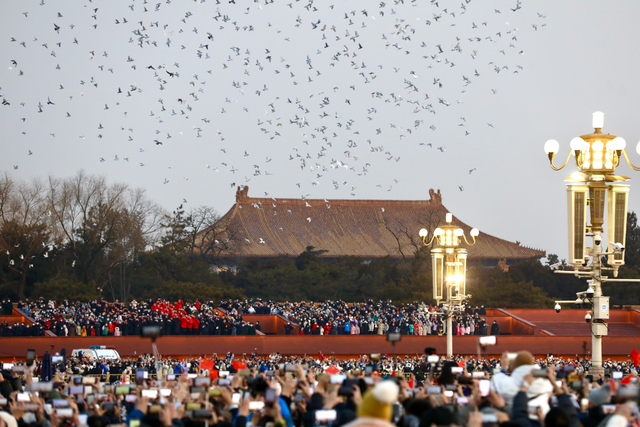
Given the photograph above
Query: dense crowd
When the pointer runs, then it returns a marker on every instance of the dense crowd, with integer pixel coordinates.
(99, 318)
(341, 318)
(273, 390)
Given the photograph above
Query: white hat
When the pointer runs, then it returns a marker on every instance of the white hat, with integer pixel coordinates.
(8, 419)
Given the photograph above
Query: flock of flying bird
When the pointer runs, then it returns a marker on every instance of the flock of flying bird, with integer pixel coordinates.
(337, 91)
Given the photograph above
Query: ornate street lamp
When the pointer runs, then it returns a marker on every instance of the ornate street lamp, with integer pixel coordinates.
(449, 269)
(597, 156)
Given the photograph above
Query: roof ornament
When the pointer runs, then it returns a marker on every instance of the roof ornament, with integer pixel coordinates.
(242, 193)
(435, 197)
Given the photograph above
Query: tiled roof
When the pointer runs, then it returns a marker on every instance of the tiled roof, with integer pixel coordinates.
(265, 227)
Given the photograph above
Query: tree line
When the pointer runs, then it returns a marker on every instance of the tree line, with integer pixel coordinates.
(81, 238)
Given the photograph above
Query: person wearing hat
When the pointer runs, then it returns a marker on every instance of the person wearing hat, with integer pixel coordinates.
(597, 397)
(507, 386)
(376, 408)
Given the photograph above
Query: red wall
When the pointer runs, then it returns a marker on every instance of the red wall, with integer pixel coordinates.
(566, 315)
(269, 323)
(334, 344)
(12, 320)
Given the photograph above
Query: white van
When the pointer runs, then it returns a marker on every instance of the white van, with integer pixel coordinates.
(97, 352)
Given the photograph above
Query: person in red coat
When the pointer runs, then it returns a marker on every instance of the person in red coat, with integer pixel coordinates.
(183, 325)
(189, 325)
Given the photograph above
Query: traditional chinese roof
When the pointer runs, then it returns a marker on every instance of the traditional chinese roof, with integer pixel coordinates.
(272, 227)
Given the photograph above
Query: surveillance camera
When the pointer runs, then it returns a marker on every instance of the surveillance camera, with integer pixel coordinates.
(558, 308)
(587, 318)
(597, 240)
(617, 247)
(590, 293)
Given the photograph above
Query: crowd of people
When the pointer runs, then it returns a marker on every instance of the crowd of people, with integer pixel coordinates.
(100, 318)
(341, 318)
(515, 390)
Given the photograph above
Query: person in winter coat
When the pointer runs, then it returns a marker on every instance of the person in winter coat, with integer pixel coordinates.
(507, 386)
(116, 332)
(495, 329)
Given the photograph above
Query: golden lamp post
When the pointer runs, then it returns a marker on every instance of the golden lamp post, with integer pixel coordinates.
(449, 270)
(597, 156)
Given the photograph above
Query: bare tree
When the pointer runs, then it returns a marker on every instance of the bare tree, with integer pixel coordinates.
(103, 225)
(208, 235)
(138, 228)
(407, 239)
(24, 232)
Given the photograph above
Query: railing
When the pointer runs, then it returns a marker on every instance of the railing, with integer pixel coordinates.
(526, 326)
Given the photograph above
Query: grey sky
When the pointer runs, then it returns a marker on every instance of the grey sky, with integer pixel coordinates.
(579, 58)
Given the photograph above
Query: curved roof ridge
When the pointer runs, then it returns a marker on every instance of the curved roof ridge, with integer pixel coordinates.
(243, 196)
(271, 227)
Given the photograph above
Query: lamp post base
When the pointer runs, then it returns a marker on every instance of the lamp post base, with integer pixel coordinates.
(597, 372)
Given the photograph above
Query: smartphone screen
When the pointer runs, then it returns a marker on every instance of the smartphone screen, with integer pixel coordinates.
(485, 387)
(489, 419)
(338, 378)
(462, 400)
(202, 381)
(540, 373)
(76, 389)
(64, 412)
(490, 340)
(326, 416)
(192, 406)
(122, 389)
(59, 403)
(256, 406)
(151, 394)
(31, 354)
(270, 395)
(141, 375)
